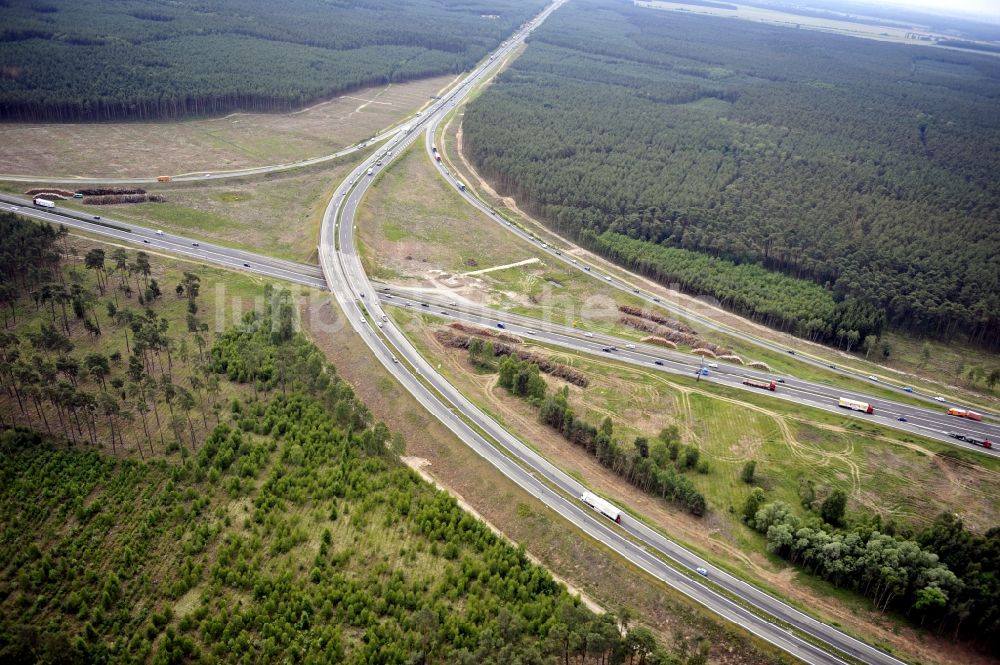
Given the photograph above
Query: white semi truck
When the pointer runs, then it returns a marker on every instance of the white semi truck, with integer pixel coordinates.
(855, 405)
(43, 203)
(602, 506)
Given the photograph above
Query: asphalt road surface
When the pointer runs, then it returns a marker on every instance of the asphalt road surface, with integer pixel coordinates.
(639, 544)
(932, 422)
(769, 618)
(152, 240)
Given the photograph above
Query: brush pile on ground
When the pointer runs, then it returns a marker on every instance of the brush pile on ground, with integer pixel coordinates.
(52, 193)
(458, 340)
(114, 195)
(656, 317)
(101, 196)
(666, 331)
(669, 333)
(659, 341)
(112, 199)
(663, 332)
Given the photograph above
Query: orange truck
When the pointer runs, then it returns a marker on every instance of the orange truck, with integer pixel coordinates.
(758, 383)
(163, 178)
(965, 413)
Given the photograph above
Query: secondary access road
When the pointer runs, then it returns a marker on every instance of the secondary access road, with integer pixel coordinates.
(634, 541)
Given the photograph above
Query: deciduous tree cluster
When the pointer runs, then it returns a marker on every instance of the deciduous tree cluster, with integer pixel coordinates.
(657, 469)
(945, 577)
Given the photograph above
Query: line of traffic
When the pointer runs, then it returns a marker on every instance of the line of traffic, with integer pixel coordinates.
(358, 298)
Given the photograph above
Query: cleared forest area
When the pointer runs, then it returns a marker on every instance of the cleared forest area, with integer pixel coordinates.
(235, 141)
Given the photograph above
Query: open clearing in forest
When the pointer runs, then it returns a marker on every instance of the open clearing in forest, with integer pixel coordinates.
(414, 227)
(882, 471)
(880, 29)
(238, 140)
(415, 231)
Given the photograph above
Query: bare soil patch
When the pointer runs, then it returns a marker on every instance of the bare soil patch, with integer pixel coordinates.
(238, 140)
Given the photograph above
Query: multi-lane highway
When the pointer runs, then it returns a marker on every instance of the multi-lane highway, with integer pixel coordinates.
(646, 548)
(342, 271)
(932, 423)
(152, 240)
(612, 278)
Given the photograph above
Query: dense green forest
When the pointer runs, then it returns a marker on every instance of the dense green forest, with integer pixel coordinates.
(88, 60)
(286, 530)
(944, 578)
(863, 167)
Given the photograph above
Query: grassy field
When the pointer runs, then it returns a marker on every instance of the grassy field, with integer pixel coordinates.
(417, 227)
(883, 472)
(883, 32)
(277, 215)
(236, 141)
(955, 367)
